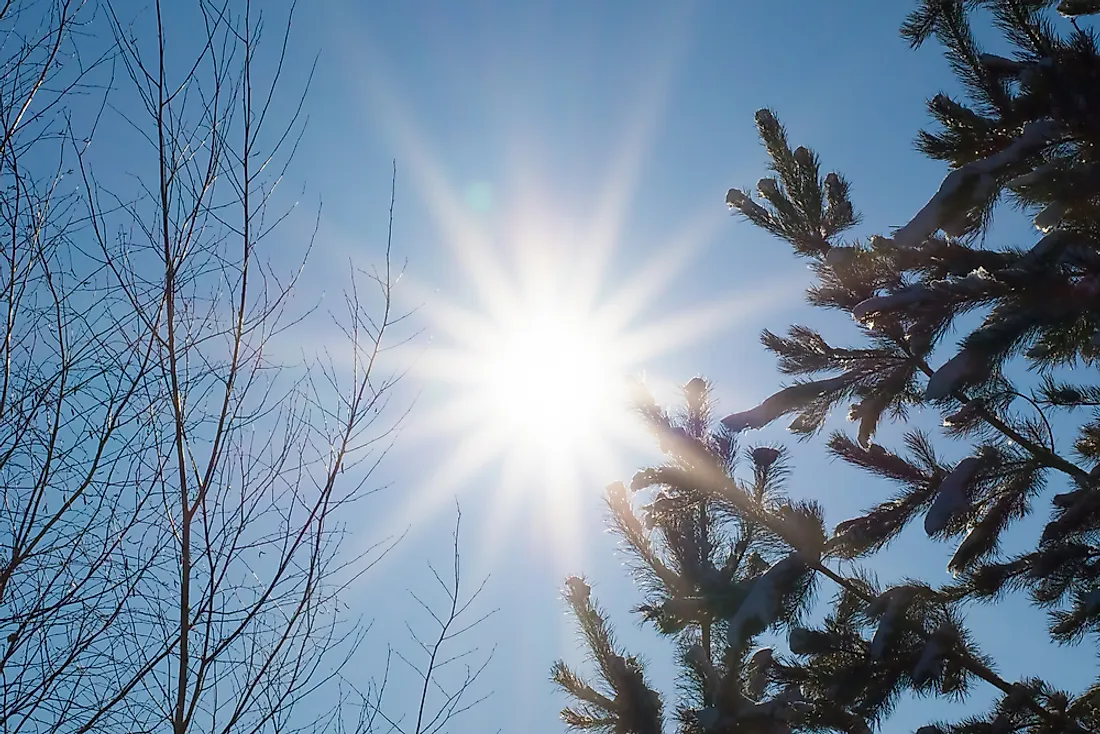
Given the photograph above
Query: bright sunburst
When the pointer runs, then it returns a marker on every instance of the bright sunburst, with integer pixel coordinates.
(535, 378)
(550, 379)
(533, 338)
(531, 361)
(531, 368)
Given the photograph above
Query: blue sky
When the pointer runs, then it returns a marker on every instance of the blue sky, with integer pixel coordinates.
(596, 141)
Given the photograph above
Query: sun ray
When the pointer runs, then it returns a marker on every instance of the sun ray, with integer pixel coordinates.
(533, 341)
(624, 174)
(690, 326)
(640, 290)
(465, 236)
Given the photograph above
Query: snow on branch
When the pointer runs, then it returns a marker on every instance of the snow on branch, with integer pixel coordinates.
(954, 373)
(762, 606)
(908, 296)
(935, 213)
(974, 283)
(890, 608)
(933, 653)
(739, 200)
(1074, 8)
(953, 496)
(785, 401)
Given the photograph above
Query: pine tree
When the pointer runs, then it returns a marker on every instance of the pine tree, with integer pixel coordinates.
(715, 573)
(723, 558)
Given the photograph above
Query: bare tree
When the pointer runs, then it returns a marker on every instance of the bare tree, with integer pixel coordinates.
(169, 532)
(441, 667)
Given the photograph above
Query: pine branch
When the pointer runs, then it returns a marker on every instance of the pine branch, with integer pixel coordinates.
(1042, 453)
(978, 669)
(725, 490)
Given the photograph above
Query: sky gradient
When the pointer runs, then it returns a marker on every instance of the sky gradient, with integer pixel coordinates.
(586, 148)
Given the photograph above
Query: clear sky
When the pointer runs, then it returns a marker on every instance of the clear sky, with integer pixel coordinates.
(572, 158)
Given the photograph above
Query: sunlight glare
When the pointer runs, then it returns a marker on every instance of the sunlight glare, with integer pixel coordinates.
(550, 381)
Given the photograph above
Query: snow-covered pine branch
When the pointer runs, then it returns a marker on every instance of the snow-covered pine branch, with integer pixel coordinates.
(1034, 137)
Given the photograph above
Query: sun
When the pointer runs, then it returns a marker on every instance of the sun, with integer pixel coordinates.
(535, 381)
(532, 365)
(543, 308)
(535, 352)
(551, 381)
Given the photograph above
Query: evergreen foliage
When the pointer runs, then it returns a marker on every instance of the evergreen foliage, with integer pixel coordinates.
(723, 556)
